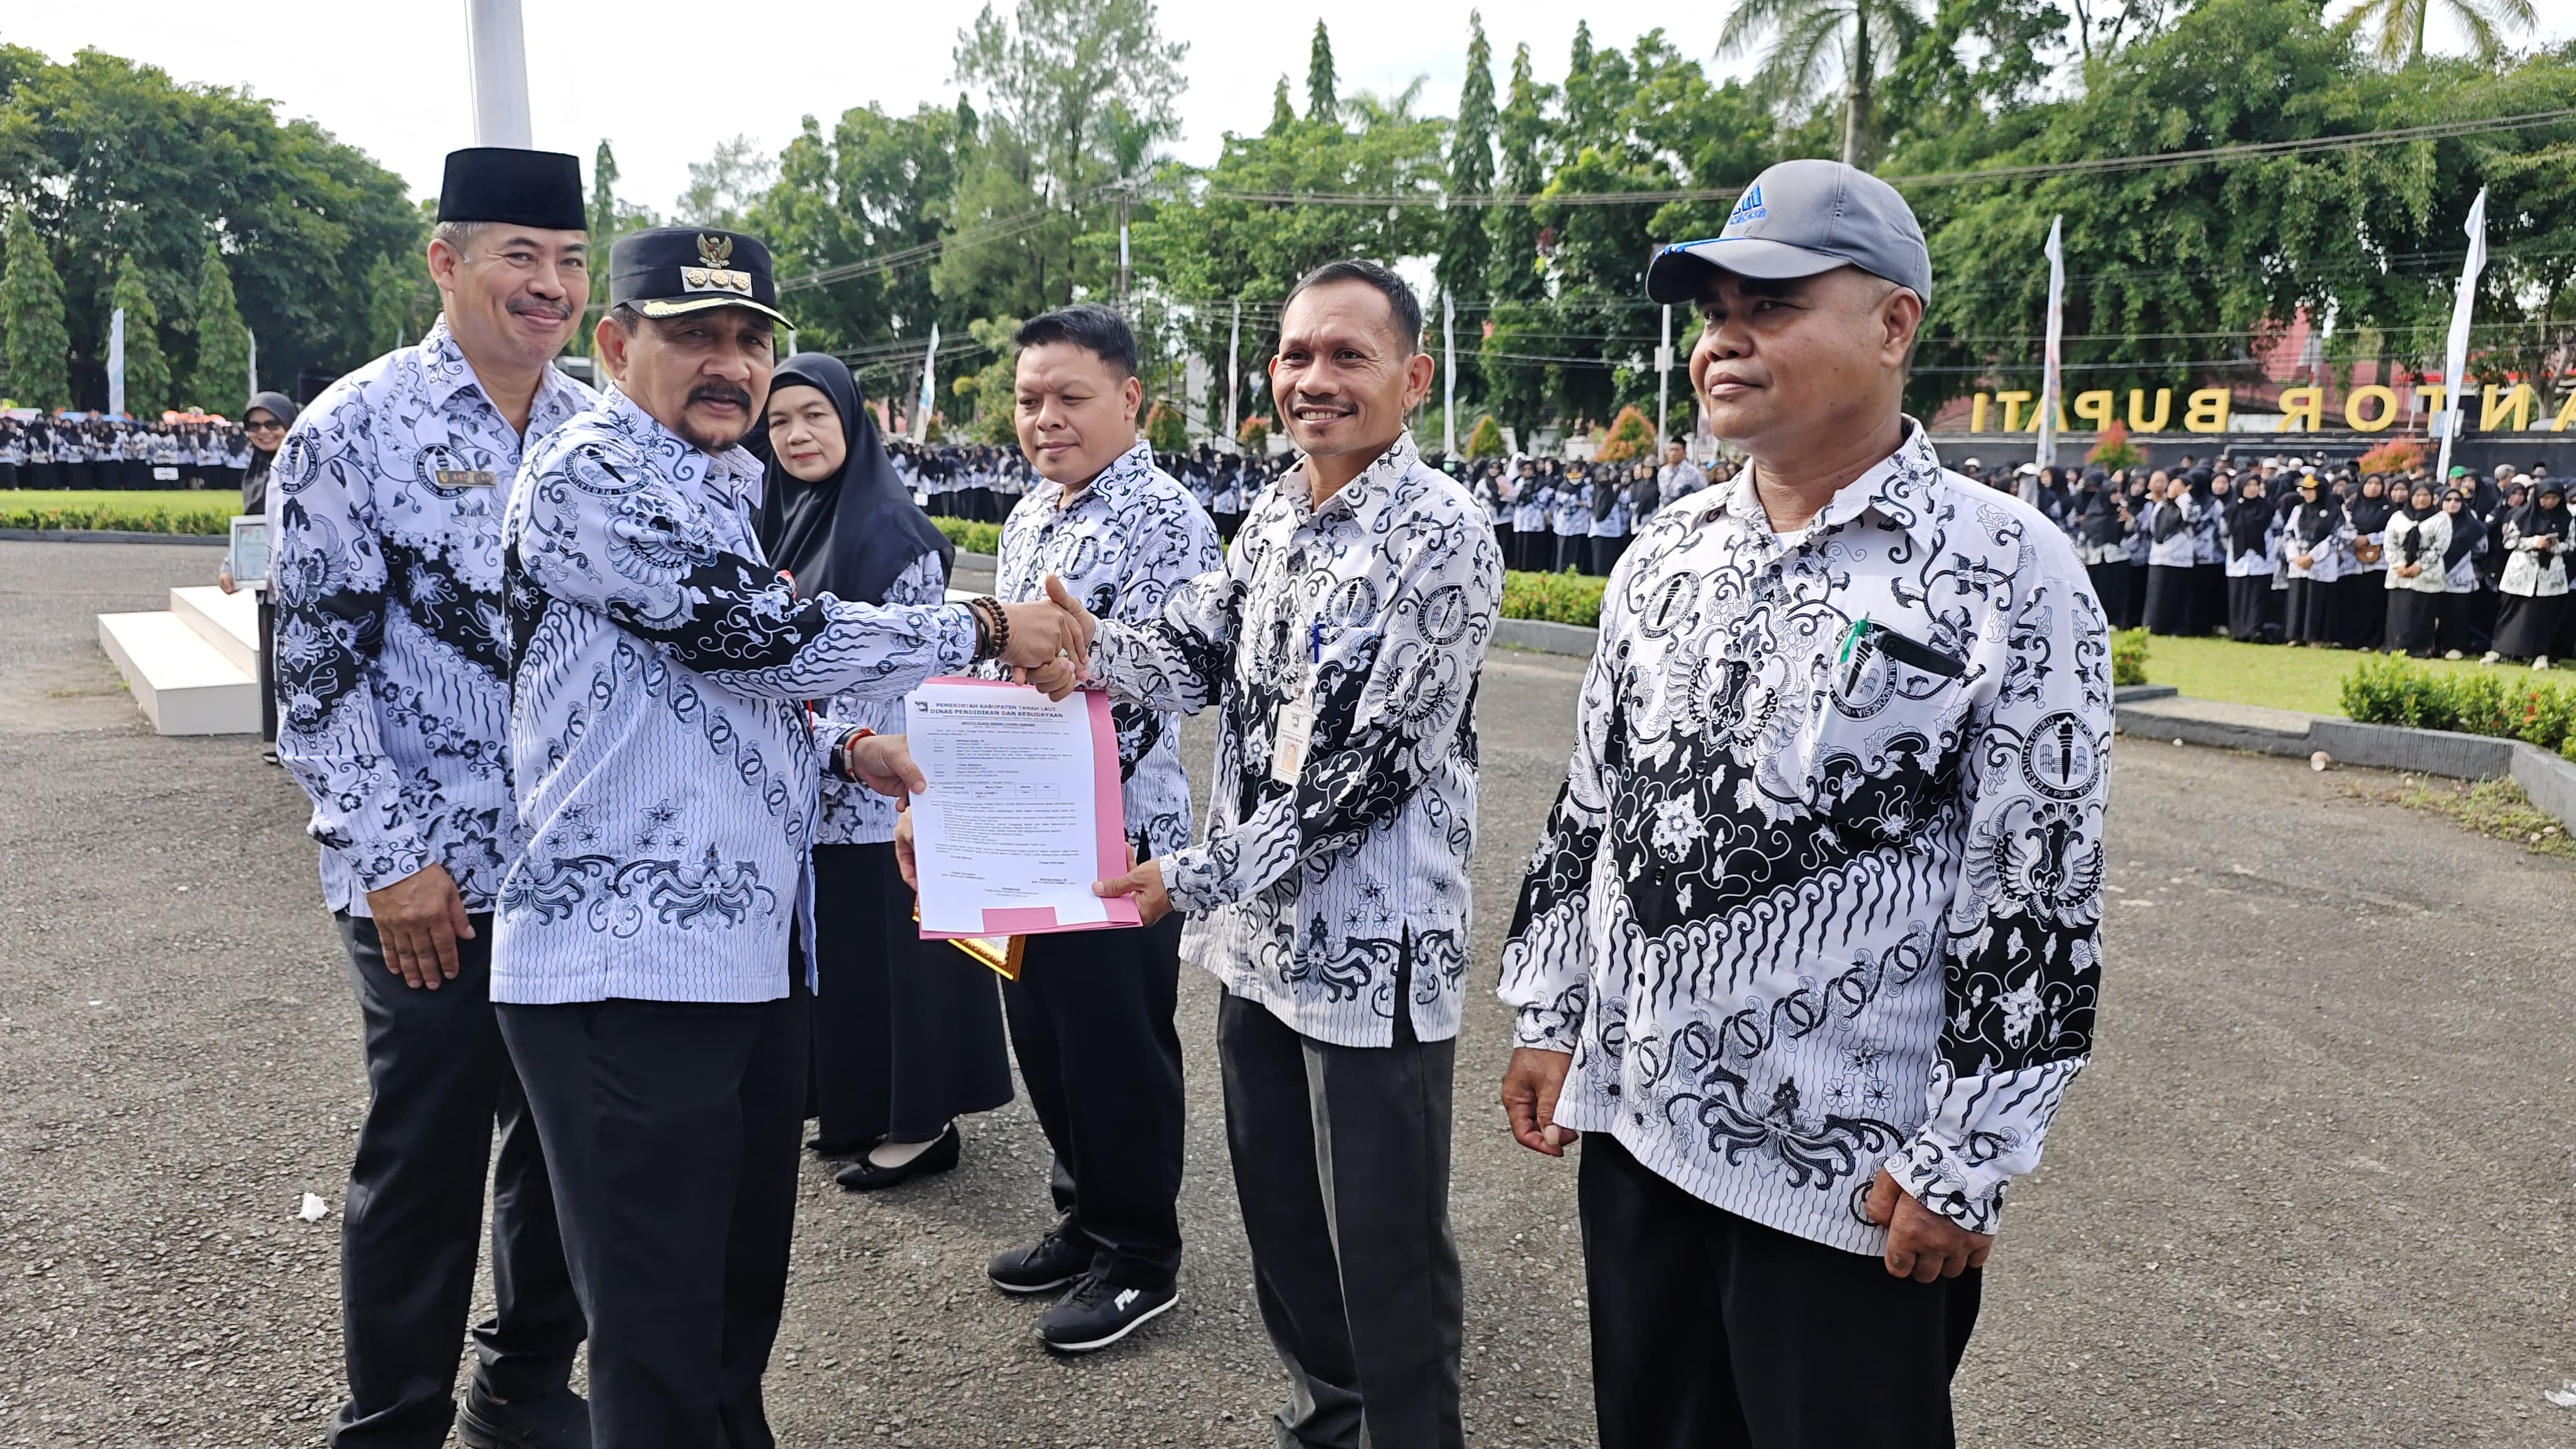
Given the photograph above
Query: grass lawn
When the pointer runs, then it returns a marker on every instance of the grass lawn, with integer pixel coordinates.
(174, 510)
(2307, 680)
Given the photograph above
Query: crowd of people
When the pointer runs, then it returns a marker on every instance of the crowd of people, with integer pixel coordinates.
(1550, 515)
(70, 450)
(2288, 551)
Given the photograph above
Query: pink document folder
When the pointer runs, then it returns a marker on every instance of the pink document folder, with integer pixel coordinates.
(1108, 814)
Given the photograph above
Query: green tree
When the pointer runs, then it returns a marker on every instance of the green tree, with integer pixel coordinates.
(1166, 428)
(1629, 437)
(147, 368)
(112, 158)
(31, 321)
(1282, 115)
(1516, 279)
(2400, 24)
(1466, 251)
(222, 376)
(1813, 40)
(878, 187)
(1484, 441)
(1076, 93)
(725, 185)
(1323, 87)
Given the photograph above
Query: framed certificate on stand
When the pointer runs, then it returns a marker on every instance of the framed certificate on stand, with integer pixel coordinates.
(248, 557)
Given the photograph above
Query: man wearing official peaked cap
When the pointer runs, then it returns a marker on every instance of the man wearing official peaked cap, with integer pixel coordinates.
(1807, 953)
(653, 962)
(392, 693)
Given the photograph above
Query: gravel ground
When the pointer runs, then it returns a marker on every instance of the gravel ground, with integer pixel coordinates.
(2315, 1190)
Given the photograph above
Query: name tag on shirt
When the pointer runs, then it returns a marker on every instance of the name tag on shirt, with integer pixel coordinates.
(464, 477)
(1288, 748)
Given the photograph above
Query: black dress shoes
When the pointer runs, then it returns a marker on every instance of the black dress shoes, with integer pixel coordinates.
(865, 1176)
(560, 1420)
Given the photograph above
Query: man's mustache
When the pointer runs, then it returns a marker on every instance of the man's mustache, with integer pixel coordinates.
(540, 307)
(719, 392)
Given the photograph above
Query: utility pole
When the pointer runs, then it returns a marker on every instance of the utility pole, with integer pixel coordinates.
(1122, 254)
(1663, 383)
(496, 48)
(1449, 366)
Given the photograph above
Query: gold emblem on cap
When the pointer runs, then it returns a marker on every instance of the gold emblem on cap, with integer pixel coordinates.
(713, 275)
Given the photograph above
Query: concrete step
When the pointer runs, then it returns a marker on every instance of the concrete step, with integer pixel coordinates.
(230, 622)
(185, 685)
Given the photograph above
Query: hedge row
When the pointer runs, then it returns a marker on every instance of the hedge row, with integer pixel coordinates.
(2509, 705)
(160, 511)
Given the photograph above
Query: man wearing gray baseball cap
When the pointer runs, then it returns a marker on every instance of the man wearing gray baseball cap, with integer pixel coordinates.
(1807, 951)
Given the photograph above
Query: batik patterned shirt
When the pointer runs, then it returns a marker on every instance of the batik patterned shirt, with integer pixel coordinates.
(392, 677)
(1121, 547)
(1373, 611)
(1821, 893)
(668, 773)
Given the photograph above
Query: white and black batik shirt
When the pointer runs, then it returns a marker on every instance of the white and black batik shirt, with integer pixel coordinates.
(853, 814)
(1121, 546)
(1821, 893)
(1374, 611)
(667, 774)
(392, 679)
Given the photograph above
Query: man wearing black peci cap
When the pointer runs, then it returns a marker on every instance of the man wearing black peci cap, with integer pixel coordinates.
(654, 936)
(1807, 953)
(393, 700)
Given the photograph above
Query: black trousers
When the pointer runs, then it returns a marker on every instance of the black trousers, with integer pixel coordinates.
(267, 669)
(671, 1128)
(2111, 589)
(907, 1032)
(1341, 1161)
(2249, 604)
(1711, 1331)
(438, 1081)
(1573, 550)
(2137, 617)
(1605, 554)
(2169, 598)
(1091, 1020)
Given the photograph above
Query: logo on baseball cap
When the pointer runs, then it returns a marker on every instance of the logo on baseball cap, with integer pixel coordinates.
(1798, 219)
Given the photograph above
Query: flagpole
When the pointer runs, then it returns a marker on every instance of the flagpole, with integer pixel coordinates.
(1233, 375)
(2048, 386)
(2455, 361)
(116, 363)
(496, 52)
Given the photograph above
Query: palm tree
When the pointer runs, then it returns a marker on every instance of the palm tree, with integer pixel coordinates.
(1810, 37)
(2401, 24)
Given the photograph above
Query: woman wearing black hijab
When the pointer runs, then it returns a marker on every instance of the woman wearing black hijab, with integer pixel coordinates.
(2172, 524)
(2100, 526)
(2248, 542)
(2454, 628)
(2361, 596)
(907, 1032)
(265, 421)
(2314, 546)
(2535, 577)
(2419, 535)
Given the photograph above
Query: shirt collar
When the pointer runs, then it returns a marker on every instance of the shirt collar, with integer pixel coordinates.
(1898, 488)
(446, 373)
(734, 469)
(1364, 496)
(1113, 485)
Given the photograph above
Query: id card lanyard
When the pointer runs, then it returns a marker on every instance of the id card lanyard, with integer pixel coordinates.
(1296, 725)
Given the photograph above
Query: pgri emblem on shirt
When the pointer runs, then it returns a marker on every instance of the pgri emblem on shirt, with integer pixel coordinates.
(714, 276)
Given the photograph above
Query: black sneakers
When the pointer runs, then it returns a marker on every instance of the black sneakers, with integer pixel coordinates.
(1098, 1313)
(1042, 1266)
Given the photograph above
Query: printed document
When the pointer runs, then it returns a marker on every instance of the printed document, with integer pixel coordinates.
(1022, 814)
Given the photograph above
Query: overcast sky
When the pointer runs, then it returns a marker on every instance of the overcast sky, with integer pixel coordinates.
(390, 77)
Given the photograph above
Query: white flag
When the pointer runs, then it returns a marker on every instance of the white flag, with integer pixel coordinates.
(929, 378)
(2048, 385)
(116, 363)
(2455, 365)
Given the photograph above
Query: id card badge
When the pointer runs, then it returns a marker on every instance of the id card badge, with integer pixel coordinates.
(1296, 730)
